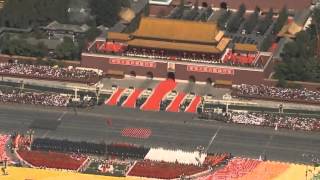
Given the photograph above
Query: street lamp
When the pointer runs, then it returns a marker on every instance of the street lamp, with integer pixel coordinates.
(30, 133)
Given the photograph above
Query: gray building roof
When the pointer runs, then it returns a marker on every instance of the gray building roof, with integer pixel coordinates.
(67, 27)
(118, 27)
(138, 5)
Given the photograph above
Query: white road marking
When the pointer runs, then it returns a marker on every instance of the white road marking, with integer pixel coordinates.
(212, 139)
(61, 116)
(45, 134)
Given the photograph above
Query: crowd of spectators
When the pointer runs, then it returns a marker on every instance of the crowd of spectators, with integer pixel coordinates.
(185, 104)
(3, 142)
(140, 101)
(52, 159)
(164, 104)
(127, 151)
(164, 170)
(179, 56)
(216, 159)
(276, 120)
(47, 99)
(46, 144)
(277, 93)
(48, 72)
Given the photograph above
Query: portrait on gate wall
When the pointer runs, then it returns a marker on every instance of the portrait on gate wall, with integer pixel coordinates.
(171, 67)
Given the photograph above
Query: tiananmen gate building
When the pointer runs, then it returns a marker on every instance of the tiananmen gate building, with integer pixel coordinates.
(183, 50)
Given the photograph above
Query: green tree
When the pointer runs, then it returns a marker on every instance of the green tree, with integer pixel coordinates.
(264, 24)
(23, 48)
(33, 13)
(236, 19)
(251, 22)
(298, 60)
(105, 11)
(223, 19)
(266, 43)
(282, 19)
(125, 3)
(67, 49)
(92, 33)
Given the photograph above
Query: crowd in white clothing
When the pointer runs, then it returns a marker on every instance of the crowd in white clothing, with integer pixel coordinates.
(48, 72)
(276, 120)
(47, 99)
(278, 93)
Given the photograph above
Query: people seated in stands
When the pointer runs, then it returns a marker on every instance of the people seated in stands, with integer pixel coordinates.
(48, 72)
(47, 99)
(262, 91)
(278, 120)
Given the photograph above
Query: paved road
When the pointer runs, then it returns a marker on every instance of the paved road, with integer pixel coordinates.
(170, 130)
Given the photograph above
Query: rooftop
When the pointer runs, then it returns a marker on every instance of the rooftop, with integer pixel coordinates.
(179, 30)
(160, 2)
(67, 27)
(263, 4)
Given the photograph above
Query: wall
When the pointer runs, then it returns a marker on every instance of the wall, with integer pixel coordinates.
(181, 71)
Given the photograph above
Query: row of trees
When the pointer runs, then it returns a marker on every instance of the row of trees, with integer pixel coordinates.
(282, 20)
(251, 22)
(236, 19)
(34, 13)
(265, 23)
(16, 46)
(299, 58)
(24, 14)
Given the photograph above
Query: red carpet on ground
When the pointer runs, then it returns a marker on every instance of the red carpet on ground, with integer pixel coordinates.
(175, 104)
(192, 108)
(153, 102)
(131, 101)
(112, 101)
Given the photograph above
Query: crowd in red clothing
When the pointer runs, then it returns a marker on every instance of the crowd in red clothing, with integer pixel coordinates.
(236, 168)
(3, 141)
(238, 58)
(163, 170)
(216, 159)
(52, 159)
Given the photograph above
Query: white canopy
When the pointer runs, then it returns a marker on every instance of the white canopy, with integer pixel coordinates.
(160, 154)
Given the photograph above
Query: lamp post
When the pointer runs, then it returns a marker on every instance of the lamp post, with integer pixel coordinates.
(227, 97)
(30, 133)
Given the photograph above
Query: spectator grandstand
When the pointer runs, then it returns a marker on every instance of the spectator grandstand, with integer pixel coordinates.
(49, 73)
(163, 170)
(3, 143)
(53, 159)
(276, 120)
(46, 99)
(277, 93)
(236, 168)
